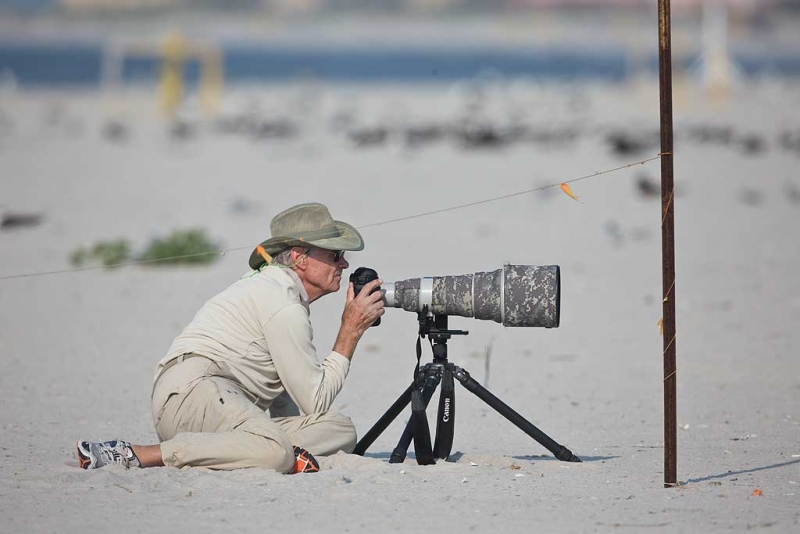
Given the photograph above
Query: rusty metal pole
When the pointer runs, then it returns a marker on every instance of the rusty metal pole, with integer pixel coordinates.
(668, 245)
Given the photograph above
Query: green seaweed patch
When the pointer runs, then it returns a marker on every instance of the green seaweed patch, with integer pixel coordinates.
(106, 253)
(181, 246)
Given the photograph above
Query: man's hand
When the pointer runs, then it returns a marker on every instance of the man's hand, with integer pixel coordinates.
(359, 314)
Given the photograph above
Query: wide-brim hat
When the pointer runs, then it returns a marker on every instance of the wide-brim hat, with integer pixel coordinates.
(307, 224)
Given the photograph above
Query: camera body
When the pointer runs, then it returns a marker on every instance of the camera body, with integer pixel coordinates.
(361, 277)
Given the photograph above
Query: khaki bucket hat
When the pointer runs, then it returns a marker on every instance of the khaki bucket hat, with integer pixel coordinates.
(306, 224)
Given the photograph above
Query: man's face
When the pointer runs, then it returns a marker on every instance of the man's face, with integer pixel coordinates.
(323, 273)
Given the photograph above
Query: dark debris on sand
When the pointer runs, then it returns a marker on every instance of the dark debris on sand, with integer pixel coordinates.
(368, 137)
(632, 143)
(647, 187)
(14, 221)
(116, 131)
(472, 129)
(790, 140)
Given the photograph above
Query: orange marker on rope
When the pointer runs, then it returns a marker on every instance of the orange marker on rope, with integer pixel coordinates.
(566, 189)
(263, 254)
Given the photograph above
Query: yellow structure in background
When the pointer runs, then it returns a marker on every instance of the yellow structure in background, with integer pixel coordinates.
(212, 81)
(176, 51)
(173, 53)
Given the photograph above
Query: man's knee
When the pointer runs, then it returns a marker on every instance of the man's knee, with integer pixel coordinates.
(352, 437)
(345, 432)
(270, 448)
(272, 454)
(281, 460)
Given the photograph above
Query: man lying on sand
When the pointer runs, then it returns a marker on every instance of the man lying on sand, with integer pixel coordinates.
(248, 352)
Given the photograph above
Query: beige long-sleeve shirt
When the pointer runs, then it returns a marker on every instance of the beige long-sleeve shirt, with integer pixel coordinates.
(260, 327)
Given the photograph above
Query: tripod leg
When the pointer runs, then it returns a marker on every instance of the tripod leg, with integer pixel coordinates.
(559, 451)
(446, 419)
(399, 453)
(385, 420)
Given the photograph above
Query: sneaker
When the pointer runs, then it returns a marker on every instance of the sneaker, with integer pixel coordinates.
(304, 462)
(94, 454)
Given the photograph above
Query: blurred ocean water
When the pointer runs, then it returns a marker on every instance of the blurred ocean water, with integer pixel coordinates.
(82, 64)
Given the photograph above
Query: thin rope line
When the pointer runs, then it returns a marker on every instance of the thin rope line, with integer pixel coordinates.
(370, 225)
(670, 375)
(669, 290)
(670, 342)
(503, 197)
(666, 209)
(122, 264)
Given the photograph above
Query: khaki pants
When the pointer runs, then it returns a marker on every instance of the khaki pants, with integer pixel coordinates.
(208, 420)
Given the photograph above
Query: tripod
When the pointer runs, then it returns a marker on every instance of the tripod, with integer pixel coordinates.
(426, 379)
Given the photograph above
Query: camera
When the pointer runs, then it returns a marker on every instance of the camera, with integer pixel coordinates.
(516, 295)
(361, 277)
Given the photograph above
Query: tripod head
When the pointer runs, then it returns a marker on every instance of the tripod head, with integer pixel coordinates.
(434, 327)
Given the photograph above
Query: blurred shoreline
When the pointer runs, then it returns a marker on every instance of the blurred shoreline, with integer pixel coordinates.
(57, 50)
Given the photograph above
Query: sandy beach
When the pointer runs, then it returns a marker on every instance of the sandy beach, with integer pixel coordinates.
(78, 350)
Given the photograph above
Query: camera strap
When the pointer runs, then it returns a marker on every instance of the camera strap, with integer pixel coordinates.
(446, 419)
(419, 355)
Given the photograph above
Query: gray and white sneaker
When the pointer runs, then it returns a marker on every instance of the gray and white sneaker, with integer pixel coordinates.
(94, 454)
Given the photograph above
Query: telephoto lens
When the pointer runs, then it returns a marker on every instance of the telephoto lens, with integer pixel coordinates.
(516, 295)
(361, 277)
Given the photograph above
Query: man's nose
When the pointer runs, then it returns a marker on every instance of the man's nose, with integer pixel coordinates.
(343, 263)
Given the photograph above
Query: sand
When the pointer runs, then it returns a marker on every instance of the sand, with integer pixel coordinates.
(78, 350)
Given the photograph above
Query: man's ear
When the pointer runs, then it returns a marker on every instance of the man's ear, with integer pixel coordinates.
(299, 258)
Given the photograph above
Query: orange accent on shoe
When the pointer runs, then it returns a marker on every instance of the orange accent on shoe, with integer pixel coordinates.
(304, 462)
(83, 461)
